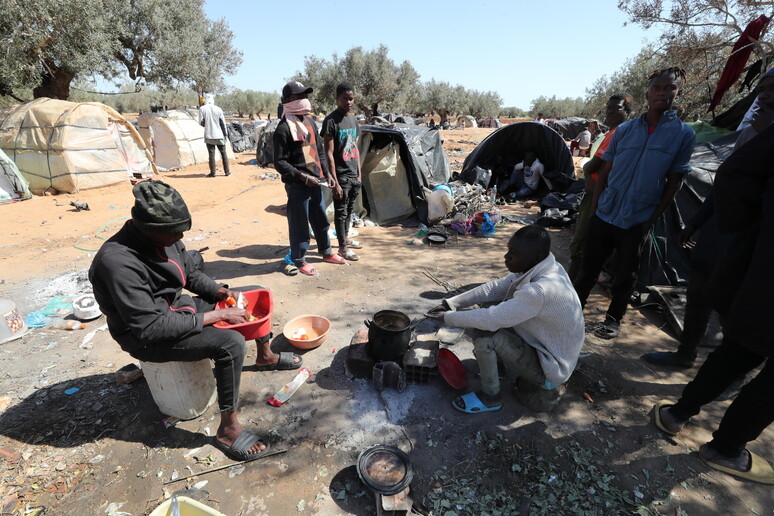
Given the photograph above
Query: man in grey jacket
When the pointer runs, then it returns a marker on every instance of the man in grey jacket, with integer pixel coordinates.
(534, 325)
(212, 119)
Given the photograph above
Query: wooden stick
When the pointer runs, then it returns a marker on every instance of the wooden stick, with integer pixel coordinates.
(206, 471)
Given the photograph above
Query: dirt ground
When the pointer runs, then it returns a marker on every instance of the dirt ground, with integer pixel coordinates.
(104, 449)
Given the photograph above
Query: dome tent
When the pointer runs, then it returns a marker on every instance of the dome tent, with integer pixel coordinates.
(71, 146)
(507, 146)
(13, 186)
(176, 137)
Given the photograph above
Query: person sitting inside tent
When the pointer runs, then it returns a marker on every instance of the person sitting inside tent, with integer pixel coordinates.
(525, 177)
(138, 276)
(534, 326)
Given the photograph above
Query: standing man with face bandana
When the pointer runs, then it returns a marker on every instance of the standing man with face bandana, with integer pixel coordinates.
(299, 157)
(211, 118)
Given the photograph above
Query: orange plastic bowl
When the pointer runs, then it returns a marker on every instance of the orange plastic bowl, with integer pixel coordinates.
(316, 326)
(260, 305)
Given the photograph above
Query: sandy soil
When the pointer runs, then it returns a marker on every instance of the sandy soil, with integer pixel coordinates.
(104, 450)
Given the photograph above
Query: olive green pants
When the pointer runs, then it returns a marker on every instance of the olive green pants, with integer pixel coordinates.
(520, 359)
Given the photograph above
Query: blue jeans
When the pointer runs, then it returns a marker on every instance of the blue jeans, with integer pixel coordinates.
(517, 184)
(306, 206)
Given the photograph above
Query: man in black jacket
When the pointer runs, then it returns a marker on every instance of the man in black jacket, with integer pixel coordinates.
(299, 157)
(138, 276)
(740, 290)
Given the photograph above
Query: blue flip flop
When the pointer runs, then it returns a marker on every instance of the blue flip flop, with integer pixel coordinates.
(473, 405)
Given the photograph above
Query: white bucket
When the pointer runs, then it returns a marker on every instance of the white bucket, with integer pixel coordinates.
(181, 389)
(12, 325)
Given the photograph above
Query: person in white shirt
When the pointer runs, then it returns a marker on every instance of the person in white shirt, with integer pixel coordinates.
(584, 141)
(212, 119)
(525, 178)
(534, 325)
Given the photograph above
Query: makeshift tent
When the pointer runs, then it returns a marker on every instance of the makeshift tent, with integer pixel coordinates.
(176, 137)
(241, 135)
(706, 132)
(664, 261)
(466, 121)
(569, 127)
(13, 186)
(490, 122)
(396, 162)
(506, 146)
(264, 143)
(70, 146)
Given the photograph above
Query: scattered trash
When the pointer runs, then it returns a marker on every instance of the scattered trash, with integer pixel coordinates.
(171, 421)
(237, 470)
(80, 206)
(67, 324)
(85, 307)
(36, 320)
(288, 390)
(588, 397)
(201, 484)
(85, 342)
(71, 390)
(96, 459)
(226, 466)
(142, 474)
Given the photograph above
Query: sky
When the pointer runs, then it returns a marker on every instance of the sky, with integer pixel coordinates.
(520, 49)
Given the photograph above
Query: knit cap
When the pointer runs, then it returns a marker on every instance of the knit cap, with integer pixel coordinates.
(159, 207)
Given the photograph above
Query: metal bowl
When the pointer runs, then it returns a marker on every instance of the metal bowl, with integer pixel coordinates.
(385, 469)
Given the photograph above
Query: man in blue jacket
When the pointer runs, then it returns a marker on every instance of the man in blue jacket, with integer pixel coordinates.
(138, 277)
(644, 166)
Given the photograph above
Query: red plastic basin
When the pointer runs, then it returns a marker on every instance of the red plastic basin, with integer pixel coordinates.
(260, 304)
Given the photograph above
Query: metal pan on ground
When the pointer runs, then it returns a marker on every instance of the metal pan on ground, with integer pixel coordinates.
(451, 369)
(437, 238)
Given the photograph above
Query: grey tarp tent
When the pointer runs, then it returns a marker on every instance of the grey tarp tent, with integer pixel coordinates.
(506, 146)
(664, 261)
(264, 143)
(396, 162)
(569, 127)
(241, 135)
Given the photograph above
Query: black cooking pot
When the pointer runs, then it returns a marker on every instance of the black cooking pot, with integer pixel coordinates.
(388, 335)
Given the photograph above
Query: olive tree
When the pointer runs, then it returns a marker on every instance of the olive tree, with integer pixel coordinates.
(46, 45)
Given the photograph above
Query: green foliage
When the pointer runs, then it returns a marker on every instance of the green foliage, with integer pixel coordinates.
(585, 487)
(247, 102)
(553, 107)
(698, 36)
(48, 44)
(133, 101)
(513, 112)
(378, 82)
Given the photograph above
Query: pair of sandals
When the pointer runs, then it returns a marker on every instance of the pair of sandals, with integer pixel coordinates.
(308, 269)
(758, 469)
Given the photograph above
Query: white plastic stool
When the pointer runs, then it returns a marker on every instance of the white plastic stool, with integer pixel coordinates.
(181, 389)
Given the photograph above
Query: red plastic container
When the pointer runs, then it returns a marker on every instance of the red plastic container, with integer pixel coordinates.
(260, 304)
(451, 368)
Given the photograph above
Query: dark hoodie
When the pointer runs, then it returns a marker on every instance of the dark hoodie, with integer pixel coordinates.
(139, 285)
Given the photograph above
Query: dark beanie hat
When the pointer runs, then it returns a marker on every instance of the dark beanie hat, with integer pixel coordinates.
(159, 207)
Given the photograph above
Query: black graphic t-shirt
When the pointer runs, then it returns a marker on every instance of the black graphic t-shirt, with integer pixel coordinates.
(343, 129)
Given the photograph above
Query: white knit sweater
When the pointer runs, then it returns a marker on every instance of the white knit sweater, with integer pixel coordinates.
(540, 305)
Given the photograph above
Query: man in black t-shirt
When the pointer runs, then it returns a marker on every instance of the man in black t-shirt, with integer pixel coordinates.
(340, 131)
(299, 157)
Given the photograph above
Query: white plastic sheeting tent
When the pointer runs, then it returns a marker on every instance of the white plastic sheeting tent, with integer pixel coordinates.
(466, 121)
(13, 186)
(70, 146)
(176, 138)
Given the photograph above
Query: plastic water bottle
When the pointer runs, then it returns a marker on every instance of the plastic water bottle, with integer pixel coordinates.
(493, 196)
(67, 324)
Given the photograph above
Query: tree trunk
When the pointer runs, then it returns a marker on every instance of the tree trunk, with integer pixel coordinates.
(54, 83)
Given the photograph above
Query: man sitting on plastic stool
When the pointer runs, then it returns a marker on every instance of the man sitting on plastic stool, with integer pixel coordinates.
(138, 276)
(534, 326)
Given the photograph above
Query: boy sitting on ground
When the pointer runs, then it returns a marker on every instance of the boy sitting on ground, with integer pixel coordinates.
(535, 326)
